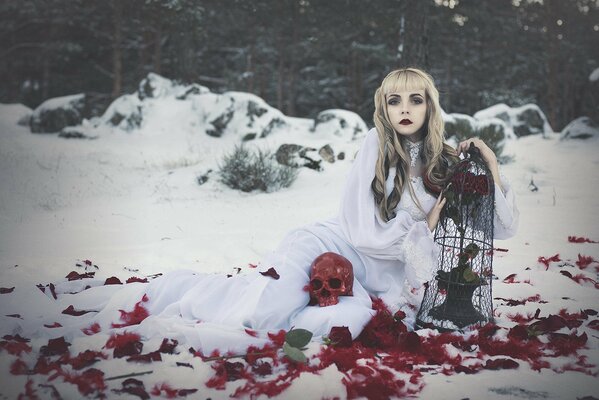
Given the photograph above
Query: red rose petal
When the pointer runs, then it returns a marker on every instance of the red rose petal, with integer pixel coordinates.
(501, 363)
(113, 280)
(272, 273)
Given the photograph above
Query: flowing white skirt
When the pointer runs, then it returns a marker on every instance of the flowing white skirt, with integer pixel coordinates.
(212, 311)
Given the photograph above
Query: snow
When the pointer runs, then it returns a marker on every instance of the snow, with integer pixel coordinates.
(130, 201)
(511, 115)
(580, 128)
(59, 102)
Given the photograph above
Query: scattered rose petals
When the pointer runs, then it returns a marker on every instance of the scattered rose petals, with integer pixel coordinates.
(584, 261)
(86, 358)
(272, 273)
(55, 347)
(15, 345)
(88, 382)
(74, 275)
(113, 280)
(168, 346)
(251, 332)
(4, 290)
(501, 363)
(125, 344)
(136, 279)
(133, 387)
(134, 317)
(146, 358)
(576, 239)
(54, 325)
(92, 330)
(170, 392)
(70, 310)
(546, 261)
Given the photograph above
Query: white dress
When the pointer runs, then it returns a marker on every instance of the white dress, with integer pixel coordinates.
(391, 260)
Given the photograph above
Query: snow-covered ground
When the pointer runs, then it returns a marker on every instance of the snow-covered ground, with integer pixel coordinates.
(130, 201)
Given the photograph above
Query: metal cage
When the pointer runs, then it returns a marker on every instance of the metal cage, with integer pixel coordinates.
(461, 292)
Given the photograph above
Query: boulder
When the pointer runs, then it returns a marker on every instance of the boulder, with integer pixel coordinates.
(124, 113)
(54, 114)
(580, 128)
(155, 86)
(523, 121)
(340, 123)
(57, 113)
(493, 131)
(460, 126)
(237, 113)
(326, 153)
(294, 155)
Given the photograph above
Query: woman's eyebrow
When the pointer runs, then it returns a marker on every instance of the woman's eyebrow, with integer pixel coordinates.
(411, 95)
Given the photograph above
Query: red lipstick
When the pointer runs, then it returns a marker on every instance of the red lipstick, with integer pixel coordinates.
(405, 122)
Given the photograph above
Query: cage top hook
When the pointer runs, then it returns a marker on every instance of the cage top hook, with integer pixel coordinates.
(473, 150)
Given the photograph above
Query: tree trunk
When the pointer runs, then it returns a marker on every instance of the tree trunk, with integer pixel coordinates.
(552, 60)
(412, 49)
(117, 39)
(157, 61)
(281, 64)
(291, 96)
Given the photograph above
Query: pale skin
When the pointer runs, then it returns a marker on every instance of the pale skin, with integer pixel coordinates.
(415, 111)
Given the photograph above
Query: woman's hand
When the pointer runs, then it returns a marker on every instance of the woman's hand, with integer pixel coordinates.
(486, 153)
(433, 216)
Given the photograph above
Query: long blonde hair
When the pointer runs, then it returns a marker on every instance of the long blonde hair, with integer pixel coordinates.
(437, 155)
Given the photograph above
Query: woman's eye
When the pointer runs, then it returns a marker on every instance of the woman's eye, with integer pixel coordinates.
(392, 102)
(418, 101)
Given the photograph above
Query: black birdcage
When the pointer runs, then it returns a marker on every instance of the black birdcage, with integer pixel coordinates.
(461, 292)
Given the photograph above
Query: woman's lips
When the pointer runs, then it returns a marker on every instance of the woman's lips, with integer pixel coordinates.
(405, 122)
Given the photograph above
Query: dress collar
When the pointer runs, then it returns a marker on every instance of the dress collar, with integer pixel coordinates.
(415, 150)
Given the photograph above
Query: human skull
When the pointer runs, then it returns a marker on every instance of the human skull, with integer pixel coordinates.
(332, 276)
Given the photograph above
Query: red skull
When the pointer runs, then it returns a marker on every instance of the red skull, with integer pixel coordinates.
(332, 276)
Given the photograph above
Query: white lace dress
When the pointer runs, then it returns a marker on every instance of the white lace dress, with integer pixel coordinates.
(391, 260)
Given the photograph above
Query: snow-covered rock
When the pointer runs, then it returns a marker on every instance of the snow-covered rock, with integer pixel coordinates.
(58, 112)
(295, 155)
(155, 86)
(493, 131)
(237, 113)
(525, 120)
(460, 125)
(341, 123)
(580, 128)
(124, 113)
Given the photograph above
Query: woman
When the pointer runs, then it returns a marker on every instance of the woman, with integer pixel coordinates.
(389, 210)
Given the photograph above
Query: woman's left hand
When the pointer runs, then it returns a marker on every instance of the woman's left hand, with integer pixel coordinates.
(486, 153)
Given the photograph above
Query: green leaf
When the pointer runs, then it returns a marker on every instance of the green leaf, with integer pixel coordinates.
(294, 353)
(472, 250)
(298, 337)
(469, 275)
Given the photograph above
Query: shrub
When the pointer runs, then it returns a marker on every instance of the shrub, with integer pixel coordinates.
(246, 171)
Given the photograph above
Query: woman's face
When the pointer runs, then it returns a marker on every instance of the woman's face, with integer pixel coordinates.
(407, 113)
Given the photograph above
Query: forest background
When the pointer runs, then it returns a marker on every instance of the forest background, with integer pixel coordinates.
(303, 56)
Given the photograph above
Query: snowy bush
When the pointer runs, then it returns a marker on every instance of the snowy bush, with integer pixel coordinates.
(246, 170)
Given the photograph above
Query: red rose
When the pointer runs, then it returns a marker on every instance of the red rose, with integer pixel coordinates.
(340, 336)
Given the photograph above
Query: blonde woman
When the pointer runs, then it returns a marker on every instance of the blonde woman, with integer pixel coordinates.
(388, 212)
